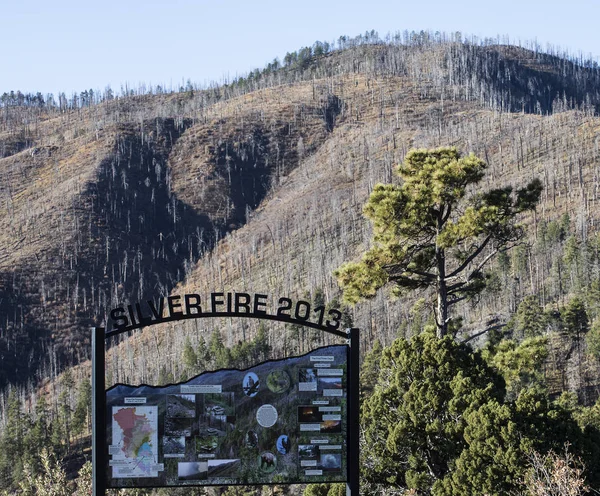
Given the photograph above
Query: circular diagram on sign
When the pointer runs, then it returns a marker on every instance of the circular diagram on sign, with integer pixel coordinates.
(278, 381)
(266, 416)
(267, 462)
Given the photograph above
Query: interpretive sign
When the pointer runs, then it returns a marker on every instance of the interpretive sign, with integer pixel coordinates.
(282, 420)
(289, 420)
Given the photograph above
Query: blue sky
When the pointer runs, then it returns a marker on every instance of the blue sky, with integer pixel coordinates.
(67, 45)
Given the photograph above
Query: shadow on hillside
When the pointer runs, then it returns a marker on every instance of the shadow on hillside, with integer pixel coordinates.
(135, 241)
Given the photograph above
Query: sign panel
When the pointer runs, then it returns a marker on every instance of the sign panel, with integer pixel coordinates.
(282, 421)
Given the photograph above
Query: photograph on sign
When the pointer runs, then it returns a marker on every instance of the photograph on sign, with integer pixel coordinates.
(281, 421)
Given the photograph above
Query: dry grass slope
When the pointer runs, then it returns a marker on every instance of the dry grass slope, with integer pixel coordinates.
(121, 201)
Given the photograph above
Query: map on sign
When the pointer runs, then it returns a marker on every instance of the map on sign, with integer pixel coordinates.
(134, 446)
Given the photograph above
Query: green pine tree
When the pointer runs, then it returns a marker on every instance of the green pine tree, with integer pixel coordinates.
(220, 354)
(428, 234)
(324, 489)
(520, 364)
(369, 371)
(202, 354)
(439, 421)
(261, 349)
(39, 435)
(12, 442)
(64, 422)
(414, 421)
(593, 339)
(529, 320)
(190, 359)
(83, 407)
(575, 318)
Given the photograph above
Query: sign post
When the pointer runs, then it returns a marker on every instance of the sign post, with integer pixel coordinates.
(352, 486)
(293, 420)
(99, 454)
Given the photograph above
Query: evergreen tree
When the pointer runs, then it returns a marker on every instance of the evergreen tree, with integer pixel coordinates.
(12, 442)
(529, 320)
(17, 445)
(427, 234)
(574, 317)
(319, 298)
(261, 349)
(439, 422)
(38, 436)
(502, 438)
(520, 364)
(62, 435)
(220, 355)
(571, 254)
(324, 489)
(492, 459)
(190, 359)
(369, 371)
(593, 339)
(414, 421)
(316, 490)
(202, 353)
(52, 481)
(82, 412)
(165, 377)
(241, 353)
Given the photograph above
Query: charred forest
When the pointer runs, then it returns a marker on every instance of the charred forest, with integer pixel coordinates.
(257, 184)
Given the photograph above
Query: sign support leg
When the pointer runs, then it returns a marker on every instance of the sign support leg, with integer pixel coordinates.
(352, 486)
(98, 413)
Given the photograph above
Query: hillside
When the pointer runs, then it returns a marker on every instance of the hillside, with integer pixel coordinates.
(258, 185)
(122, 213)
(312, 222)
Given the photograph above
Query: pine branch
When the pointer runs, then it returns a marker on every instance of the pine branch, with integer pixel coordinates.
(484, 331)
(469, 259)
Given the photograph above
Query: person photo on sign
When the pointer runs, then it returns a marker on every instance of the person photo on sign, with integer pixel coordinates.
(307, 375)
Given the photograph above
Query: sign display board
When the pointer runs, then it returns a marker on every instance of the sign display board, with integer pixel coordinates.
(281, 421)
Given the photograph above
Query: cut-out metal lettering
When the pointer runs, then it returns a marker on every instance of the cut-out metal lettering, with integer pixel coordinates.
(223, 304)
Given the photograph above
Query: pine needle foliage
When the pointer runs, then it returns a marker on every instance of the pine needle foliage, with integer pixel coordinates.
(440, 423)
(427, 233)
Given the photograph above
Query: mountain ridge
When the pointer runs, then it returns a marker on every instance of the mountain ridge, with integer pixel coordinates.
(312, 149)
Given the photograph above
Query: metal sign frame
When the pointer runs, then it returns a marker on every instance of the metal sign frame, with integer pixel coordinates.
(240, 305)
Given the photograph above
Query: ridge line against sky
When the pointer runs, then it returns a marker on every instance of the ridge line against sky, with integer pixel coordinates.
(67, 45)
